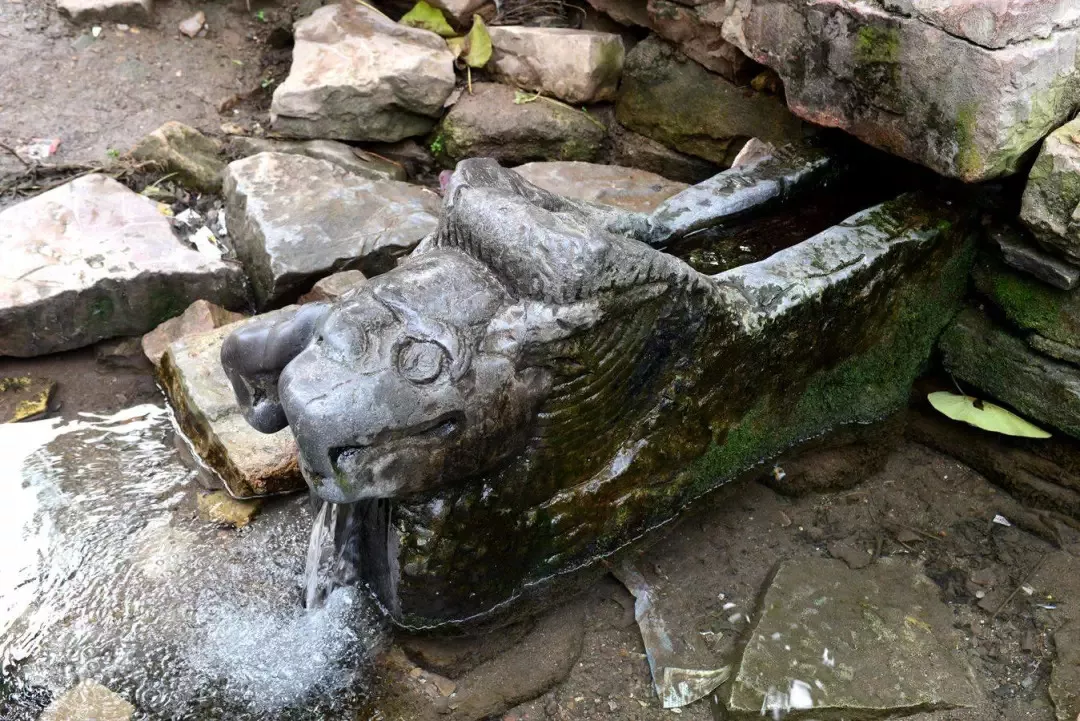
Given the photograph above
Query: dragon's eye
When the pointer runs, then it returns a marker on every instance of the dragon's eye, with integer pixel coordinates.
(421, 361)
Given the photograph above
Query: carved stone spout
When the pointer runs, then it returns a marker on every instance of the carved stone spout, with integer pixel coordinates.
(537, 386)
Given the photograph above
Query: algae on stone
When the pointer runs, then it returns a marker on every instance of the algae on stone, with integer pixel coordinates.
(1029, 303)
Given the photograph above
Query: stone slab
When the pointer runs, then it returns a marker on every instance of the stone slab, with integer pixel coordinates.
(199, 317)
(91, 260)
(627, 188)
(578, 66)
(987, 357)
(851, 642)
(333, 286)
(1029, 303)
(348, 157)
(1024, 254)
(357, 75)
(248, 462)
(193, 158)
(294, 219)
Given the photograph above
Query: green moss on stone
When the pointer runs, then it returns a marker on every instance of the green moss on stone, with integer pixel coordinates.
(968, 158)
(877, 45)
(1029, 303)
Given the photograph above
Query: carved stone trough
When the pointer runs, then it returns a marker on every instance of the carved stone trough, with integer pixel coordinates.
(537, 386)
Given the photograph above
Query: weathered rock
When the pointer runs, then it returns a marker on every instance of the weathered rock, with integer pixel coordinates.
(917, 82)
(177, 148)
(1029, 303)
(221, 508)
(92, 260)
(193, 25)
(1022, 254)
(672, 99)
(333, 286)
(852, 643)
(88, 700)
(1065, 676)
(200, 317)
(357, 75)
(121, 353)
(352, 159)
(754, 151)
(633, 150)
(578, 66)
(1051, 205)
(608, 184)
(988, 358)
(294, 219)
(625, 12)
(24, 397)
(1061, 351)
(490, 124)
(249, 463)
(531, 318)
(134, 12)
(688, 29)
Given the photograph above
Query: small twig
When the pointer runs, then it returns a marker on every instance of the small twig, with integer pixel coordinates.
(26, 164)
(1011, 596)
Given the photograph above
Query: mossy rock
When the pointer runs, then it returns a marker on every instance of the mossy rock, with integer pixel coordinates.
(495, 121)
(24, 398)
(1028, 303)
(178, 149)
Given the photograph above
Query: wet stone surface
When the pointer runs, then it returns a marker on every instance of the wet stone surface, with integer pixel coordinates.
(831, 639)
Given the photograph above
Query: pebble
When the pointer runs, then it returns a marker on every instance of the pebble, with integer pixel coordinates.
(193, 24)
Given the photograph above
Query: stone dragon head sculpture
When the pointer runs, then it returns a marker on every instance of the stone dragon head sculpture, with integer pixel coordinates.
(437, 370)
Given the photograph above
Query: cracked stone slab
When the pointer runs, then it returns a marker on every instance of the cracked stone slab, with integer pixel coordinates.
(993, 23)
(248, 462)
(1028, 257)
(357, 75)
(136, 12)
(91, 260)
(352, 159)
(873, 641)
(294, 219)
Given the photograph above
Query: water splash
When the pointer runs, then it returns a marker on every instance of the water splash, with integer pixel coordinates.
(108, 574)
(332, 555)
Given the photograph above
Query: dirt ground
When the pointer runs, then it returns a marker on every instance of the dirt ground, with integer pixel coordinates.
(102, 94)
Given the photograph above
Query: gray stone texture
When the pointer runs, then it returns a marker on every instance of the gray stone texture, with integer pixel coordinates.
(355, 160)
(577, 66)
(852, 643)
(199, 317)
(670, 98)
(1051, 204)
(91, 260)
(1021, 252)
(626, 188)
(134, 12)
(193, 159)
(489, 124)
(357, 75)
(294, 219)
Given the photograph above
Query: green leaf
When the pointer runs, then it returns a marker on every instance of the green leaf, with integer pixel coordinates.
(479, 44)
(457, 46)
(426, 17)
(983, 414)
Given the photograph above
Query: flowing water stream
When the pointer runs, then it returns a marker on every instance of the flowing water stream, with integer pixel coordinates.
(107, 573)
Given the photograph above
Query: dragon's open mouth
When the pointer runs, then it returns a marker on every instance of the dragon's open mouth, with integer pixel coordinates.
(444, 427)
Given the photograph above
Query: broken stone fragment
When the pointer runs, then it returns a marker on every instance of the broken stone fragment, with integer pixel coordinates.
(627, 188)
(193, 25)
(24, 397)
(357, 75)
(248, 462)
(813, 647)
(200, 317)
(633, 150)
(352, 159)
(990, 359)
(1060, 351)
(1052, 196)
(134, 12)
(177, 148)
(88, 700)
(495, 121)
(1022, 253)
(333, 286)
(690, 30)
(91, 260)
(670, 98)
(221, 508)
(294, 219)
(578, 66)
